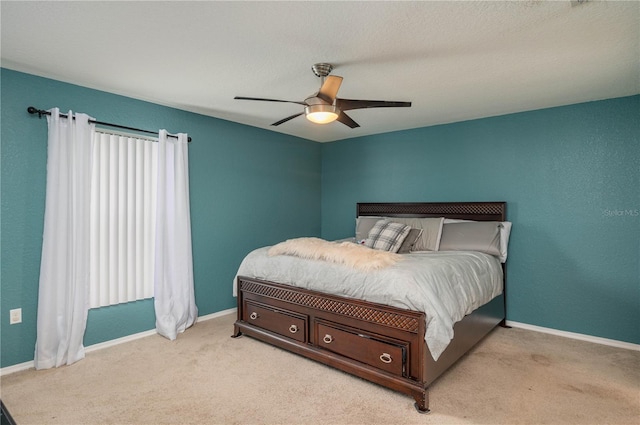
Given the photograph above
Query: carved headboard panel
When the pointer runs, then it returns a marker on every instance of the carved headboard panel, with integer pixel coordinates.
(479, 211)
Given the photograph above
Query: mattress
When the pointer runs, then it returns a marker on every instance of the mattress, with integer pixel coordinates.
(445, 285)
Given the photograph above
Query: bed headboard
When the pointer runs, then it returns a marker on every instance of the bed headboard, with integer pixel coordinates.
(479, 211)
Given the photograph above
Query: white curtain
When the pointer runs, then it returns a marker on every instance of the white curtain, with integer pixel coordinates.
(64, 269)
(123, 218)
(173, 279)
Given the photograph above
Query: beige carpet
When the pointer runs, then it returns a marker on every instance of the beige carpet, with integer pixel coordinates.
(514, 376)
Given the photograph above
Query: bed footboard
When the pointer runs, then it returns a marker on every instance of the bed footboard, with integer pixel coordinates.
(379, 343)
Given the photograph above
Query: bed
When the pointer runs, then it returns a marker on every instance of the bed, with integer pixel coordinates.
(383, 342)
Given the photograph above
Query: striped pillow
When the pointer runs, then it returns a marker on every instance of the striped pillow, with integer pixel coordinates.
(387, 235)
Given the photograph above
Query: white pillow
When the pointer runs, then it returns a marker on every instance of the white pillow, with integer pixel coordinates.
(482, 236)
(364, 224)
(505, 231)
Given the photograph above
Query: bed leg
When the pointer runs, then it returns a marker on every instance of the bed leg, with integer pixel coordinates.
(422, 402)
(236, 332)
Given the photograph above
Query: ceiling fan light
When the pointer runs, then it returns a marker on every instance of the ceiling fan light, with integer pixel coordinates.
(321, 114)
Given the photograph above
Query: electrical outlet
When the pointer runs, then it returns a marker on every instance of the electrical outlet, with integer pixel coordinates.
(15, 316)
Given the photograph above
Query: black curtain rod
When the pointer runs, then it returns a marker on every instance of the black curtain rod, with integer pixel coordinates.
(42, 112)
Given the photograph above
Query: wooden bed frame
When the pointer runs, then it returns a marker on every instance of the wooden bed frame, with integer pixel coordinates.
(379, 343)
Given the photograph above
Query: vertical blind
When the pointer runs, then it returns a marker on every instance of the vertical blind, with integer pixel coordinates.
(123, 219)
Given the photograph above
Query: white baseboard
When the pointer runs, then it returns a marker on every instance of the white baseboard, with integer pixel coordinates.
(16, 368)
(594, 339)
(573, 335)
(29, 365)
(217, 314)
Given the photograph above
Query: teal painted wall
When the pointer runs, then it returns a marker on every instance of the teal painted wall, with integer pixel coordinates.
(249, 187)
(571, 177)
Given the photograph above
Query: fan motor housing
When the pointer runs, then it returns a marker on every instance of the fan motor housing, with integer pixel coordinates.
(322, 69)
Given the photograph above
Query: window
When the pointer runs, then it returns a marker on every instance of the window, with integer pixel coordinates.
(123, 218)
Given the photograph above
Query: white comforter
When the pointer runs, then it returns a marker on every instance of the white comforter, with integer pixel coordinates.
(445, 285)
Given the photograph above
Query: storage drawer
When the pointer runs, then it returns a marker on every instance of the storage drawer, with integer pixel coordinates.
(283, 322)
(373, 350)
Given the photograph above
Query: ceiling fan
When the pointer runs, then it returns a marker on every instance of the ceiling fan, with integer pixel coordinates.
(324, 106)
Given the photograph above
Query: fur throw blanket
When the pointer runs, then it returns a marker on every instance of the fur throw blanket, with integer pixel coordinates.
(347, 253)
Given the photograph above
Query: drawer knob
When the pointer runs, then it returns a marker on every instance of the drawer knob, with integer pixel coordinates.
(386, 358)
(327, 339)
(253, 316)
(293, 329)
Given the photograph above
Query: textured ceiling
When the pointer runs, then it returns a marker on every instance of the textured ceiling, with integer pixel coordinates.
(454, 60)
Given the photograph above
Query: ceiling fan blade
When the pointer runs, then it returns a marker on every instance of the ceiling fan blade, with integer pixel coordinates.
(268, 100)
(348, 104)
(282, 121)
(346, 120)
(330, 88)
